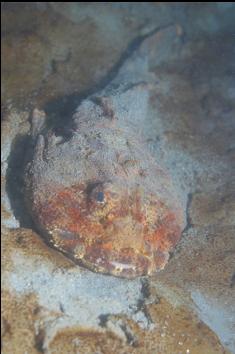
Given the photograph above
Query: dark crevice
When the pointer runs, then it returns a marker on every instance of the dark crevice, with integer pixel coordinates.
(39, 341)
(145, 290)
(56, 62)
(130, 338)
(103, 319)
(141, 305)
(20, 153)
(61, 307)
(189, 223)
(232, 282)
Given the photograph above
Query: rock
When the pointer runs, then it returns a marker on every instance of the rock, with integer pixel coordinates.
(214, 208)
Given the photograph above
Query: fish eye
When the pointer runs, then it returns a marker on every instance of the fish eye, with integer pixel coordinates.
(100, 197)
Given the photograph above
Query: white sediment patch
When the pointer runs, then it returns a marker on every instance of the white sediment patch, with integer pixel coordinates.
(83, 295)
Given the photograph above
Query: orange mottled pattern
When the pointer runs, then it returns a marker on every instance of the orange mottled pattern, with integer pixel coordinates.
(120, 235)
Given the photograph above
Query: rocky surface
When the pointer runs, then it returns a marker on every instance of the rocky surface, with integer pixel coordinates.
(53, 55)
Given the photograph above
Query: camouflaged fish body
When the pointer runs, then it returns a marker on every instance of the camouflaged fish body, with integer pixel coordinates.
(101, 197)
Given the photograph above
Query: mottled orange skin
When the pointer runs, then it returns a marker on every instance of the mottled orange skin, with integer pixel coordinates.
(67, 213)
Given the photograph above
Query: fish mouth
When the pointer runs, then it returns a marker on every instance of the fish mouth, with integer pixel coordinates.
(109, 257)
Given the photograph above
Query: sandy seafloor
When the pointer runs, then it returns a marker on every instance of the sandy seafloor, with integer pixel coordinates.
(52, 55)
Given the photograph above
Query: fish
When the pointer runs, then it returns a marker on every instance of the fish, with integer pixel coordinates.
(101, 197)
